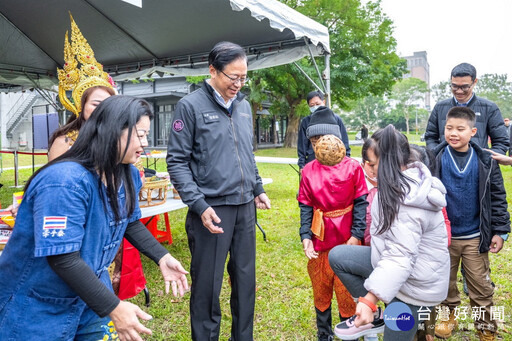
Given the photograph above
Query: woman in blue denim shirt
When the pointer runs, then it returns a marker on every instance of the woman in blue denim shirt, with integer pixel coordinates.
(75, 212)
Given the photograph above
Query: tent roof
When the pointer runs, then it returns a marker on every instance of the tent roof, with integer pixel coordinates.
(162, 34)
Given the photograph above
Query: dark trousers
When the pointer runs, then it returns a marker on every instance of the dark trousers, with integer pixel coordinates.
(209, 252)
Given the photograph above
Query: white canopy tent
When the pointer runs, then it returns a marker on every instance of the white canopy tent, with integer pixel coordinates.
(160, 37)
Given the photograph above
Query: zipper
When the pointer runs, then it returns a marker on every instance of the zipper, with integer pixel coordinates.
(237, 155)
(481, 200)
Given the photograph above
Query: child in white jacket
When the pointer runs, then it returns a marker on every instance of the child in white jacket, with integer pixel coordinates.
(406, 267)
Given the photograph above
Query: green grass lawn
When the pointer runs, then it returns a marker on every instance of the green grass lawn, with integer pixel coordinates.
(284, 302)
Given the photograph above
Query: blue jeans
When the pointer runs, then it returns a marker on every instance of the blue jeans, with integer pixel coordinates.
(352, 264)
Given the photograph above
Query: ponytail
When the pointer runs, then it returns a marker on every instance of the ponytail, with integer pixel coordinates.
(394, 153)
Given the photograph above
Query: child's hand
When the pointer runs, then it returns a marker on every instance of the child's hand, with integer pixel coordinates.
(364, 315)
(309, 251)
(496, 244)
(353, 241)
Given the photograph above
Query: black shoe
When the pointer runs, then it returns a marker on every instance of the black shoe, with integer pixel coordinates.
(325, 337)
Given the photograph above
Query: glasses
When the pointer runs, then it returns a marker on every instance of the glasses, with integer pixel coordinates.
(235, 80)
(464, 87)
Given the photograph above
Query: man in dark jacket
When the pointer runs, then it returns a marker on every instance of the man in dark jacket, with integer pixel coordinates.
(489, 121)
(211, 164)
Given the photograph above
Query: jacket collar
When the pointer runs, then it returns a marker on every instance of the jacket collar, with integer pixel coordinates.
(208, 89)
(470, 103)
(483, 156)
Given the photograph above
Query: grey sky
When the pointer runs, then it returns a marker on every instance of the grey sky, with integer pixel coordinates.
(454, 31)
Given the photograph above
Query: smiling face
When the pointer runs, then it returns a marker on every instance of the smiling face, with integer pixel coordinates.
(138, 140)
(458, 133)
(95, 98)
(220, 79)
(463, 88)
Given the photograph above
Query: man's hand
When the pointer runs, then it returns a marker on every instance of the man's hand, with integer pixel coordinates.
(262, 202)
(208, 218)
(496, 244)
(174, 275)
(126, 320)
(309, 251)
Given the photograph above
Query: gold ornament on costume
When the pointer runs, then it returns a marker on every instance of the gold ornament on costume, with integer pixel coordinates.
(78, 79)
(329, 150)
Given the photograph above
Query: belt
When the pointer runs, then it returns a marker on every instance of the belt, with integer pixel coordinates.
(317, 225)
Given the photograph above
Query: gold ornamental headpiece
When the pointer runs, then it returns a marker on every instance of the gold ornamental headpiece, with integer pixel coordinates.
(75, 78)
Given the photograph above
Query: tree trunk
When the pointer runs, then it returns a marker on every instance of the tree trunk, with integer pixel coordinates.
(407, 122)
(292, 130)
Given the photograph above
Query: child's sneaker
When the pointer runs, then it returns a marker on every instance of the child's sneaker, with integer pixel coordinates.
(348, 331)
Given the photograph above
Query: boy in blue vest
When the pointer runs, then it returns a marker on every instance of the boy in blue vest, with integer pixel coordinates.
(477, 209)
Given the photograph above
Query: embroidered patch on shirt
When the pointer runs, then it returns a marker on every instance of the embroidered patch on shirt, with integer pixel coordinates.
(54, 226)
(178, 125)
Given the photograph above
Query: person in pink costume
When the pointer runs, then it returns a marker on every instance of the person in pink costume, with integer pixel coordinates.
(333, 204)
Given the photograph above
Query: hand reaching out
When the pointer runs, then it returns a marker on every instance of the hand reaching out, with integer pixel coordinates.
(174, 275)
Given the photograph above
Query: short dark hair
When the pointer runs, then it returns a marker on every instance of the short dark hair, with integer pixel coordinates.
(314, 94)
(224, 53)
(424, 155)
(464, 113)
(463, 70)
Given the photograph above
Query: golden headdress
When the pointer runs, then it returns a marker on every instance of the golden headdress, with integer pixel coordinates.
(78, 79)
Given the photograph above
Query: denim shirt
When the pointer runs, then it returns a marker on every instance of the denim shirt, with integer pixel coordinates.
(62, 211)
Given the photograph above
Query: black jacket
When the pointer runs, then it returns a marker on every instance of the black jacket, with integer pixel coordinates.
(489, 123)
(209, 155)
(494, 216)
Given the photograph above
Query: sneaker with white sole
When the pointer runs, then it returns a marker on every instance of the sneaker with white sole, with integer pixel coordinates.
(347, 330)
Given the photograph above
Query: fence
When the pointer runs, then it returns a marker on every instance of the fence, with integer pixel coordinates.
(15, 154)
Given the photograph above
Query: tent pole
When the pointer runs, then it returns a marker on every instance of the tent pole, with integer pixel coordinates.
(327, 78)
(46, 96)
(307, 76)
(316, 66)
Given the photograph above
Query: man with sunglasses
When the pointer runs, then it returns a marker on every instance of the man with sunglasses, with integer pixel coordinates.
(489, 121)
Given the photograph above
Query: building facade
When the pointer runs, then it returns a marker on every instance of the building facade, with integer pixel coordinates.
(418, 67)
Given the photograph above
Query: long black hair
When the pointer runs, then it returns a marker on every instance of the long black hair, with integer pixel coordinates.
(97, 147)
(394, 154)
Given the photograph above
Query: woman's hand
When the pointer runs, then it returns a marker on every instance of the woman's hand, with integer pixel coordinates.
(309, 250)
(502, 159)
(13, 210)
(126, 320)
(174, 275)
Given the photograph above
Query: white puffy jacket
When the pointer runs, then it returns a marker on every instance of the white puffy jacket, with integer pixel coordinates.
(411, 260)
